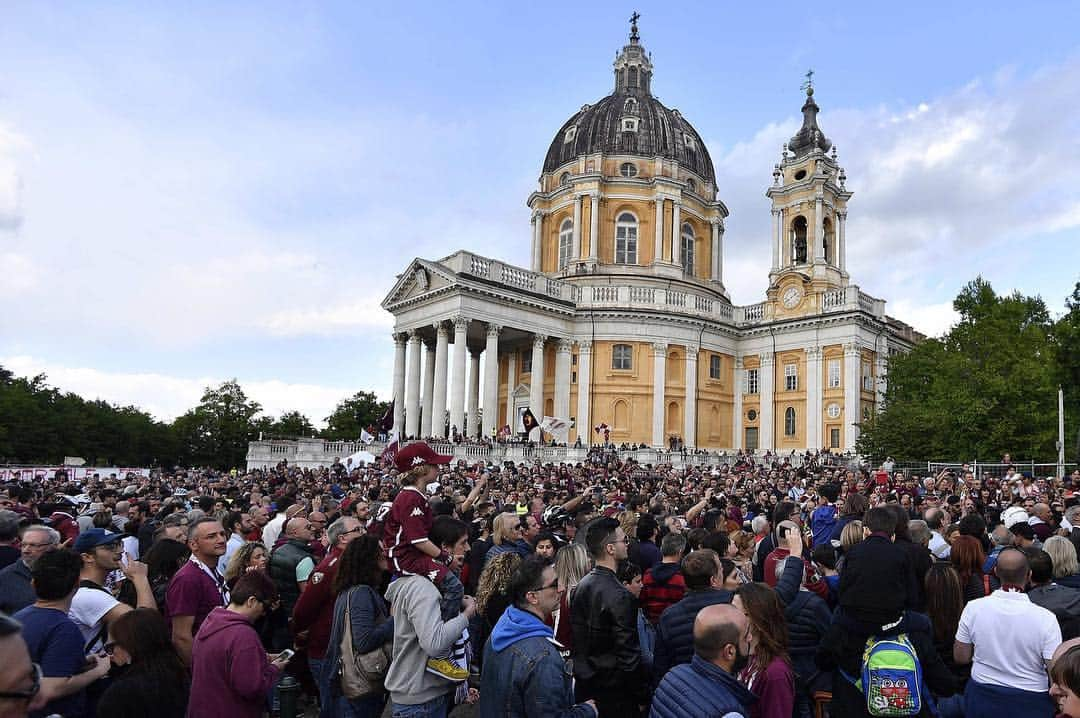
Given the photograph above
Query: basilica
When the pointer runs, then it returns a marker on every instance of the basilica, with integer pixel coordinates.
(622, 319)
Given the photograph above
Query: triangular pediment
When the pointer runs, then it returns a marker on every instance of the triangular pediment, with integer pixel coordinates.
(521, 392)
(421, 277)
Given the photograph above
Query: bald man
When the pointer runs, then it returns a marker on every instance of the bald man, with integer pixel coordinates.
(707, 686)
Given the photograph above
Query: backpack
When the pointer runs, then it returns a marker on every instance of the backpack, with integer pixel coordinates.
(892, 678)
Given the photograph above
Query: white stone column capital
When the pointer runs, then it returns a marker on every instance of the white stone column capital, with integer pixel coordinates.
(584, 347)
(539, 340)
(766, 358)
(441, 329)
(813, 353)
(659, 349)
(692, 353)
(461, 323)
(493, 330)
(564, 346)
(400, 338)
(852, 349)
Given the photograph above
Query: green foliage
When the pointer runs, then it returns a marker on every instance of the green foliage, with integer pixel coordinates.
(357, 412)
(217, 431)
(986, 387)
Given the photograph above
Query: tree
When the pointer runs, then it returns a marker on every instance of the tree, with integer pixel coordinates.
(357, 412)
(217, 431)
(292, 424)
(986, 387)
(1067, 343)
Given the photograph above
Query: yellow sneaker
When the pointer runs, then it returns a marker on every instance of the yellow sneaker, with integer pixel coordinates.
(447, 669)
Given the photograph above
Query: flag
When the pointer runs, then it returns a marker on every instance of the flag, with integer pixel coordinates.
(366, 438)
(559, 428)
(600, 428)
(391, 449)
(386, 423)
(528, 421)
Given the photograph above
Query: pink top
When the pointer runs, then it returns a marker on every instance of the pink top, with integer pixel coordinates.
(774, 687)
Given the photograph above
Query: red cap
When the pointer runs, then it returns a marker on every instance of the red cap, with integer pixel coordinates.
(418, 453)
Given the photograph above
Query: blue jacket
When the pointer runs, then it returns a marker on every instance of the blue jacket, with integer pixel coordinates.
(675, 632)
(700, 689)
(524, 676)
(371, 625)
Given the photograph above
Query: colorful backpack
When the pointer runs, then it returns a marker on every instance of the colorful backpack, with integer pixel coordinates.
(892, 678)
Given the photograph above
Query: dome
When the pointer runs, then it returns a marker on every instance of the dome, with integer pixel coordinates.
(630, 121)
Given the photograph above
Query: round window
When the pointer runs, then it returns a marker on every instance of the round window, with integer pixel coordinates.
(833, 411)
(628, 169)
(801, 174)
(752, 415)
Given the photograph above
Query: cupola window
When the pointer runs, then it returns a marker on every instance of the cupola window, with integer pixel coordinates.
(628, 169)
(691, 184)
(566, 241)
(626, 233)
(633, 77)
(629, 124)
(630, 107)
(570, 134)
(688, 248)
(564, 179)
(798, 240)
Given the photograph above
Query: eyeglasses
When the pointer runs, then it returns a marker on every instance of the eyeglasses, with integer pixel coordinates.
(109, 648)
(622, 540)
(553, 584)
(26, 695)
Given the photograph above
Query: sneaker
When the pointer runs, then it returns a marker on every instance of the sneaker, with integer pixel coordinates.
(447, 669)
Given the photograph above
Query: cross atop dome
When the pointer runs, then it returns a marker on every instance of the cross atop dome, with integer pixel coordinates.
(633, 27)
(633, 66)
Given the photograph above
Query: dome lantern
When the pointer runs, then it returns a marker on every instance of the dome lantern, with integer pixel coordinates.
(633, 67)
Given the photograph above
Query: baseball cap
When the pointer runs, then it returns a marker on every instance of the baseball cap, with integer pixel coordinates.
(92, 538)
(416, 454)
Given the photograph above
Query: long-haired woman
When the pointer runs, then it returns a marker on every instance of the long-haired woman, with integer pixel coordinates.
(768, 675)
(967, 557)
(944, 604)
(571, 565)
(251, 556)
(492, 597)
(163, 560)
(357, 584)
(154, 680)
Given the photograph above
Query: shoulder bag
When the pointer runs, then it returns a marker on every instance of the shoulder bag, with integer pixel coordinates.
(361, 674)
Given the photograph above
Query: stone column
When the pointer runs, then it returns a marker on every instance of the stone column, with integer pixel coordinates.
(766, 376)
(594, 228)
(472, 400)
(776, 230)
(399, 382)
(491, 380)
(736, 408)
(562, 380)
(511, 372)
(813, 398)
(676, 234)
(412, 387)
(690, 416)
(457, 399)
(576, 252)
(819, 230)
(881, 372)
(536, 381)
(852, 380)
(438, 391)
(429, 385)
(584, 386)
(658, 249)
(537, 235)
(659, 352)
(841, 246)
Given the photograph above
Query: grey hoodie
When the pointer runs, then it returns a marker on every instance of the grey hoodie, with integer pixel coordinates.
(419, 633)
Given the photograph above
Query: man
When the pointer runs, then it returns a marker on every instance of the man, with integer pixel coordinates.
(524, 674)
(236, 524)
(878, 580)
(784, 529)
(663, 584)
(231, 673)
(645, 553)
(9, 538)
(16, 592)
(314, 611)
(54, 640)
(1071, 522)
(197, 588)
(825, 516)
(20, 681)
(1023, 537)
(1001, 538)
(291, 564)
(606, 652)
(276, 526)
(936, 520)
(920, 556)
(317, 521)
(807, 617)
(93, 609)
(782, 512)
(1009, 641)
(1062, 601)
(675, 633)
(1040, 521)
(707, 686)
(121, 515)
(259, 519)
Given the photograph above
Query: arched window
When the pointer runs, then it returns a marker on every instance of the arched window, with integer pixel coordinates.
(628, 169)
(621, 414)
(566, 241)
(630, 106)
(564, 179)
(622, 357)
(688, 248)
(633, 77)
(798, 240)
(691, 184)
(789, 422)
(626, 231)
(673, 424)
(827, 243)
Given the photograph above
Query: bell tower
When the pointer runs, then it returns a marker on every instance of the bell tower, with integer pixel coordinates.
(809, 211)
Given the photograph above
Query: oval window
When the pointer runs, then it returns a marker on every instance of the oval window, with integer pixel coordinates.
(801, 174)
(752, 415)
(628, 169)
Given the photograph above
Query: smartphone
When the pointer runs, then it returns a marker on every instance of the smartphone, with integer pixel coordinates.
(287, 654)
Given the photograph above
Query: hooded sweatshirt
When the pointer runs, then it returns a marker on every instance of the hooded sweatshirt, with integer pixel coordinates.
(515, 625)
(662, 585)
(230, 673)
(419, 633)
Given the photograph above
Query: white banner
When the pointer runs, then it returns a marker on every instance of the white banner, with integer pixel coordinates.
(75, 473)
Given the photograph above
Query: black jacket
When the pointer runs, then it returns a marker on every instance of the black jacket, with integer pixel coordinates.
(675, 632)
(878, 581)
(807, 616)
(921, 560)
(606, 653)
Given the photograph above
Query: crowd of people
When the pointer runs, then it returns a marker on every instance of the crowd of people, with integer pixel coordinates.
(606, 588)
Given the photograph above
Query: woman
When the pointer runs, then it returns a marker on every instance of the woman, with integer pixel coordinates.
(164, 559)
(1063, 554)
(852, 534)
(741, 551)
(944, 604)
(252, 556)
(356, 585)
(506, 535)
(1065, 681)
(153, 680)
(571, 565)
(492, 597)
(768, 675)
(967, 558)
(733, 577)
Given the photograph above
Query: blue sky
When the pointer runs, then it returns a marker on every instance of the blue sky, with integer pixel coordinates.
(198, 193)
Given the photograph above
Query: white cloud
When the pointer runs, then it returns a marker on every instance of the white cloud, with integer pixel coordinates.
(337, 319)
(166, 397)
(13, 148)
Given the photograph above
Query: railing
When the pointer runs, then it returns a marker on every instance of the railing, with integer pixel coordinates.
(866, 303)
(675, 299)
(754, 312)
(703, 304)
(834, 299)
(642, 294)
(479, 266)
(518, 277)
(605, 294)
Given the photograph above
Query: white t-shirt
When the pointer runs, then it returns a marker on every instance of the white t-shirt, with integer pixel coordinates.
(272, 530)
(88, 609)
(1013, 638)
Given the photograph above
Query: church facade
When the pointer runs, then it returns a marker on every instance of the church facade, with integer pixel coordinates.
(623, 318)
